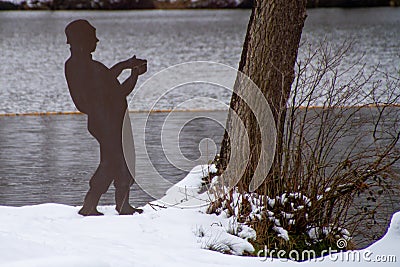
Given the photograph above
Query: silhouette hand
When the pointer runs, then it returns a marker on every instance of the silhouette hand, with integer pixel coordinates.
(130, 63)
(141, 66)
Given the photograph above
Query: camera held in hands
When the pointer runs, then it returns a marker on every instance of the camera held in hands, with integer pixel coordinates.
(140, 65)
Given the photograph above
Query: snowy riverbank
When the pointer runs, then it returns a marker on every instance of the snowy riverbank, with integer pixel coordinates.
(55, 235)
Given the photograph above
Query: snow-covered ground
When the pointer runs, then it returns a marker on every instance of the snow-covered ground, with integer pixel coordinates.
(55, 235)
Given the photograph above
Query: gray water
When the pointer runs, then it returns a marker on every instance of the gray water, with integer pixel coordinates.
(33, 47)
(51, 158)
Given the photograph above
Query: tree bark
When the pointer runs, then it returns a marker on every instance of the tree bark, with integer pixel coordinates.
(268, 59)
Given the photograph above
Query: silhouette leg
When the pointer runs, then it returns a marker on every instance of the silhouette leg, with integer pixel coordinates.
(99, 184)
(122, 185)
(128, 145)
(90, 205)
(122, 202)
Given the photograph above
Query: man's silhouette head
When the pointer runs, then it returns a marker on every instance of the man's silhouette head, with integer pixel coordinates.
(81, 36)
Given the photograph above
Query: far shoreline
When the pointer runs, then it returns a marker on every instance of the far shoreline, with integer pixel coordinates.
(109, 5)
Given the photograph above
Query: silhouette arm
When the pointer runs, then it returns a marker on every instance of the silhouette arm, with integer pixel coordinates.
(76, 86)
(118, 68)
(128, 85)
(126, 64)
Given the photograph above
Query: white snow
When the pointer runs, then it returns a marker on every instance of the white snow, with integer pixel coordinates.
(313, 233)
(193, 179)
(17, 2)
(271, 202)
(55, 235)
(281, 232)
(30, 3)
(186, 193)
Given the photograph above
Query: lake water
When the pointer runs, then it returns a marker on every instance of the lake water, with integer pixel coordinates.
(51, 158)
(33, 47)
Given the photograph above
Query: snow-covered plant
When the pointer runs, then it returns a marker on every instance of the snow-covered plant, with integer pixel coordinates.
(340, 142)
(285, 219)
(226, 236)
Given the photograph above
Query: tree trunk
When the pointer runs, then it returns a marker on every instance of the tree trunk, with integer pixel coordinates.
(268, 59)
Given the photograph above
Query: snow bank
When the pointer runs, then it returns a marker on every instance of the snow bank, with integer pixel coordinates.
(188, 193)
(55, 235)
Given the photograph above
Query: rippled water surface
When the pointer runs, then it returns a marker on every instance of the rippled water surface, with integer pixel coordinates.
(33, 47)
(51, 158)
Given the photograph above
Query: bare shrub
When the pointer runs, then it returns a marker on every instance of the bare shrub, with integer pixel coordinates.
(340, 144)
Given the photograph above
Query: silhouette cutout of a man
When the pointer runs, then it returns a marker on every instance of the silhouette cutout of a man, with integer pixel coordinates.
(96, 91)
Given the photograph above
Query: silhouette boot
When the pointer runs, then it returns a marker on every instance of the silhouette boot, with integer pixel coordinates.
(90, 205)
(122, 203)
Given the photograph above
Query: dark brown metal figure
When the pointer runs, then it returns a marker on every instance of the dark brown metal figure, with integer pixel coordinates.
(96, 91)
